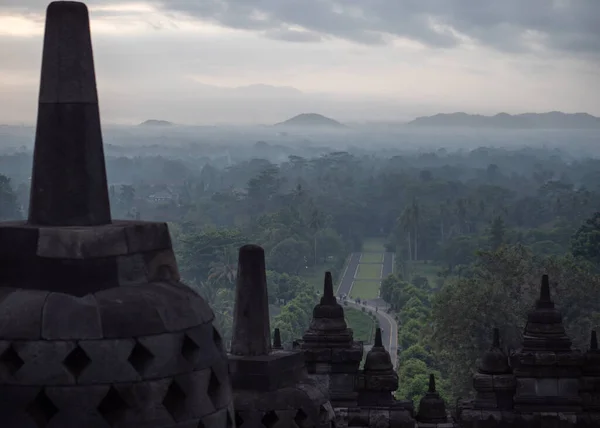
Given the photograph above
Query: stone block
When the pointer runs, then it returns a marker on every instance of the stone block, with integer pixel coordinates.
(485, 400)
(129, 312)
(132, 270)
(144, 236)
(179, 307)
(80, 243)
(161, 265)
(568, 387)
(166, 355)
(387, 382)
(195, 387)
(504, 382)
(547, 387)
(317, 354)
(401, 419)
(67, 317)
(77, 406)
(319, 368)
(21, 314)
(267, 373)
(43, 363)
(18, 240)
(341, 417)
(526, 386)
(358, 417)
(13, 404)
(342, 382)
(483, 382)
(109, 362)
(209, 347)
(341, 355)
(379, 418)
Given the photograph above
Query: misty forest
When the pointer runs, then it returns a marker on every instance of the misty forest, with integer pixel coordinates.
(474, 217)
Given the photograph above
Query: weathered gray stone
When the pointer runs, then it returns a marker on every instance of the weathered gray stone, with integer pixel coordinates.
(109, 362)
(132, 270)
(178, 307)
(129, 312)
(80, 243)
(251, 329)
(144, 236)
(69, 318)
(161, 266)
(21, 314)
(42, 363)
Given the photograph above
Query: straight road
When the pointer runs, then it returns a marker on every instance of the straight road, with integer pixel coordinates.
(388, 265)
(389, 327)
(347, 279)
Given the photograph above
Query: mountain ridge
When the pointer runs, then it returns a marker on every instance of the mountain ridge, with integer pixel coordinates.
(311, 120)
(549, 120)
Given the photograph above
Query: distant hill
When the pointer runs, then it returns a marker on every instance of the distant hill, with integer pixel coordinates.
(156, 123)
(552, 120)
(311, 120)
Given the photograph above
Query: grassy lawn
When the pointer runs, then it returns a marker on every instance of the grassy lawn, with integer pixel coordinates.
(374, 245)
(371, 258)
(365, 290)
(362, 324)
(369, 271)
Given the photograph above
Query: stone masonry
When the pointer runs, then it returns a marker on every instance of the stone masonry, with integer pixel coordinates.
(271, 387)
(96, 330)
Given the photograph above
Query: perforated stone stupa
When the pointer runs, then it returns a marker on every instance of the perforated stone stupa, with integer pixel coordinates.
(96, 330)
(271, 386)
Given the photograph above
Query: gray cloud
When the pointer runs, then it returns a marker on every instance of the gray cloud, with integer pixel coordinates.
(565, 25)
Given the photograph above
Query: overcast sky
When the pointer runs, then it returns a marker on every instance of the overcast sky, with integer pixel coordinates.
(352, 59)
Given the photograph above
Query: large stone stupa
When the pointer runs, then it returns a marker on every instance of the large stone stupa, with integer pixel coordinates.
(96, 330)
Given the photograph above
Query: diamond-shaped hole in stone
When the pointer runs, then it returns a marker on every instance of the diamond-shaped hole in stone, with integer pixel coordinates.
(77, 361)
(217, 339)
(301, 418)
(214, 388)
(41, 409)
(140, 358)
(238, 419)
(269, 419)
(229, 421)
(11, 360)
(112, 407)
(174, 401)
(189, 349)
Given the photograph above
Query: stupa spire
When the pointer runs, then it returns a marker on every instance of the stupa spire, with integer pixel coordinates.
(378, 341)
(277, 339)
(251, 330)
(68, 184)
(328, 296)
(496, 338)
(431, 383)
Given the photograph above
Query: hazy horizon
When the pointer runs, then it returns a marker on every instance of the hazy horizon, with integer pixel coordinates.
(227, 62)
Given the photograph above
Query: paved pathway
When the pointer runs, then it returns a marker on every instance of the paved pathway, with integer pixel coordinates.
(347, 279)
(389, 327)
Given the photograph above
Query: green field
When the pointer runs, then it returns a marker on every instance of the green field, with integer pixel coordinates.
(365, 290)
(369, 271)
(315, 275)
(361, 323)
(374, 245)
(371, 258)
